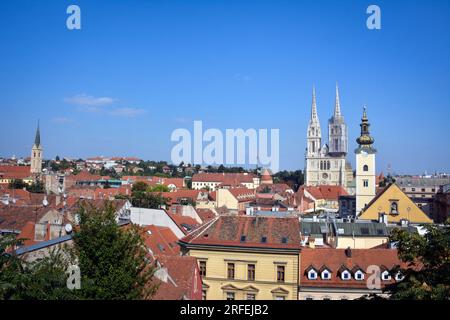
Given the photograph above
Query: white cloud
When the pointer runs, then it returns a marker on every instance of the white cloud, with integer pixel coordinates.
(127, 112)
(85, 100)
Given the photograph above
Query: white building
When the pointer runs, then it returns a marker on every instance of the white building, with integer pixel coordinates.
(327, 164)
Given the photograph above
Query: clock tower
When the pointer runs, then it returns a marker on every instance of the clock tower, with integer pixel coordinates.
(365, 166)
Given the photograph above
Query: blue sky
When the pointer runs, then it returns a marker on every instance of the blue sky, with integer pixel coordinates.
(137, 70)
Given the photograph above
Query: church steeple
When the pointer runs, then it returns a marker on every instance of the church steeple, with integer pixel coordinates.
(36, 154)
(337, 129)
(337, 105)
(37, 139)
(314, 116)
(365, 140)
(314, 133)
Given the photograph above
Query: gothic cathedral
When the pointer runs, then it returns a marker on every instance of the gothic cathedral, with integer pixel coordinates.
(327, 164)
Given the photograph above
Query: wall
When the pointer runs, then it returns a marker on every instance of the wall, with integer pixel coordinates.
(265, 273)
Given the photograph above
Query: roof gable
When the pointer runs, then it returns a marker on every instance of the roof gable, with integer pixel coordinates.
(406, 208)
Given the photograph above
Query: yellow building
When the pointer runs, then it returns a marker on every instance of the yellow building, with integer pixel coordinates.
(247, 257)
(394, 204)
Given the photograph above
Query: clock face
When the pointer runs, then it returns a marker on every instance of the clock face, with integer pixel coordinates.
(325, 175)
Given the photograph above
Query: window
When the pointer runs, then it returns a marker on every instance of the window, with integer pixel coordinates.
(203, 294)
(280, 298)
(280, 273)
(251, 296)
(385, 276)
(366, 167)
(345, 275)
(359, 275)
(394, 207)
(423, 189)
(202, 267)
(251, 272)
(365, 183)
(309, 298)
(413, 189)
(399, 277)
(326, 275)
(230, 296)
(263, 239)
(230, 270)
(312, 274)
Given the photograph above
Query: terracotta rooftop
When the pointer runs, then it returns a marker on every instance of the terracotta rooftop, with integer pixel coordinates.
(160, 240)
(337, 260)
(248, 231)
(14, 172)
(185, 280)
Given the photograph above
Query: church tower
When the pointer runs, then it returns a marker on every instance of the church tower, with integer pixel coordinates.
(314, 134)
(337, 130)
(365, 166)
(36, 154)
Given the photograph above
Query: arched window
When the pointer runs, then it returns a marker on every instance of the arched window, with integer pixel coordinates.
(366, 167)
(328, 165)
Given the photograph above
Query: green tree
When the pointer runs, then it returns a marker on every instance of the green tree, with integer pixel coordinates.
(139, 186)
(428, 259)
(17, 184)
(42, 279)
(158, 188)
(36, 187)
(113, 260)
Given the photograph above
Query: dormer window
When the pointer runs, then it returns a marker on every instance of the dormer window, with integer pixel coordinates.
(326, 275)
(359, 275)
(312, 274)
(385, 276)
(345, 275)
(399, 276)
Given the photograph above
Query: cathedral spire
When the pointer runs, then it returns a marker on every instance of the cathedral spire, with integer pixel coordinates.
(314, 116)
(37, 139)
(337, 106)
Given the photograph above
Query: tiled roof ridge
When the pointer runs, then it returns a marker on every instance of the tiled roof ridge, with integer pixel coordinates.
(206, 226)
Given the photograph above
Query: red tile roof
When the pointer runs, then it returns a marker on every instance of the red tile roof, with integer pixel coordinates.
(205, 214)
(14, 172)
(243, 194)
(228, 231)
(184, 222)
(187, 283)
(325, 192)
(336, 260)
(161, 240)
(86, 176)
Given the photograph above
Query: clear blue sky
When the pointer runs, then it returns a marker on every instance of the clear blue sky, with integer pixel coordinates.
(137, 70)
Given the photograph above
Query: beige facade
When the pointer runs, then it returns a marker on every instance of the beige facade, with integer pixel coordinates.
(265, 286)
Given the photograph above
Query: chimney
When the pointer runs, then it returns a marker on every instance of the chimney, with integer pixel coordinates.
(312, 242)
(348, 252)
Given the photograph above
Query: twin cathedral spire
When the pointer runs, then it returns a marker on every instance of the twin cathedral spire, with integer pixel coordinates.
(337, 130)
